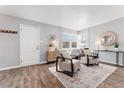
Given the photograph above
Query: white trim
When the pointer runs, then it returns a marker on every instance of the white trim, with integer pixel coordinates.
(7, 68)
(14, 67)
(106, 61)
(111, 62)
(43, 62)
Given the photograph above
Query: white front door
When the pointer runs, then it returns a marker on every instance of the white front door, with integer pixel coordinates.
(29, 45)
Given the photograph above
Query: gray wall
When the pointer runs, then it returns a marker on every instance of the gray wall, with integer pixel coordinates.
(116, 26)
(10, 44)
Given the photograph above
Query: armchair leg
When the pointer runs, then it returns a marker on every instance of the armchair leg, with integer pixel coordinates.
(78, 69)
(57, 64)
(88, 65)
(97, 64)
(71, 75)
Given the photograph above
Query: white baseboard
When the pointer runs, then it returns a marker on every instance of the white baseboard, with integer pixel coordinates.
(106, 61)
(19, 66)
(7, 68)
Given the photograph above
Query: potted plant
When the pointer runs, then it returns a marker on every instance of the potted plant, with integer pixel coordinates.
(116, 45)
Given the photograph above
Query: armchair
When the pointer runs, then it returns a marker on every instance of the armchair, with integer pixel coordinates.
(90, 58)
(67, 65)
(76, 53)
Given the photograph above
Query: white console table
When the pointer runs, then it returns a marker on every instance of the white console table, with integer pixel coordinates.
(110, 56)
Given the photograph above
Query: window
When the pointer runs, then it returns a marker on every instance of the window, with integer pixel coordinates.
(69, 40)
(66, 44)
(74, 41)
(83, 40)
(66, 40)
(74, 44)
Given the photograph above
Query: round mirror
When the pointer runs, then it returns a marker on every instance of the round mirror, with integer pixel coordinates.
(107, 38)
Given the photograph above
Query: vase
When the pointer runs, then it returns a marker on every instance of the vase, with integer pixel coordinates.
(116, 49)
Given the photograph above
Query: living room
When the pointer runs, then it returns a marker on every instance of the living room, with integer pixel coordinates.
(76, 46)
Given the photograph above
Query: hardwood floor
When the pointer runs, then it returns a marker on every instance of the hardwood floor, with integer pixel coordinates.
(38, 76)
(35, 76)
(115, 80)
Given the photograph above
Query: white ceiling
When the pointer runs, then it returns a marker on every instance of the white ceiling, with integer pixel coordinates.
(75, 17)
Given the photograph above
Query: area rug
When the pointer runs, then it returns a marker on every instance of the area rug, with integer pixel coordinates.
(87, 77)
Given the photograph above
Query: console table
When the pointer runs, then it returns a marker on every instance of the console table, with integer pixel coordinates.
(117, 55)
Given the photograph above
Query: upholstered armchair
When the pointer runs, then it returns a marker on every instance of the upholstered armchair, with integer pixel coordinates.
(90, 58)
(76, 53)
(67, 65)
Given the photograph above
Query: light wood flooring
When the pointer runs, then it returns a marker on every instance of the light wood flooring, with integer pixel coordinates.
(35, 76)
(38, 76)
(115, 80)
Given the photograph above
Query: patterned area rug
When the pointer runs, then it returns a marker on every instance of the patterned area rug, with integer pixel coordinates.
(87, 77)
